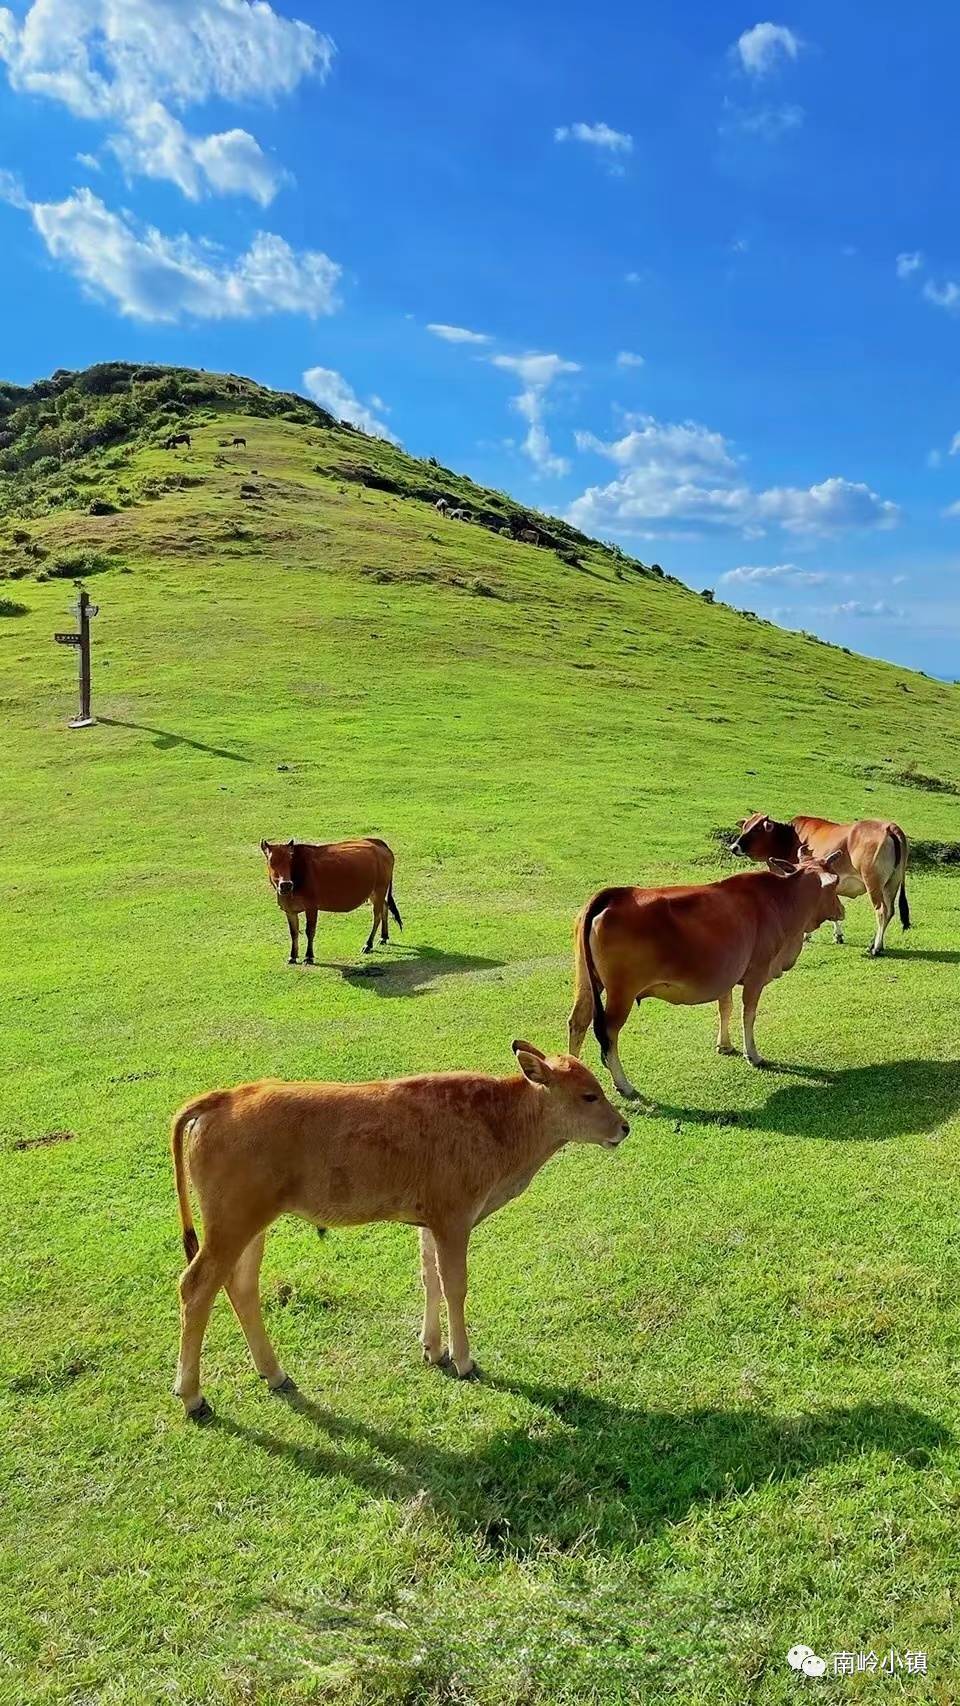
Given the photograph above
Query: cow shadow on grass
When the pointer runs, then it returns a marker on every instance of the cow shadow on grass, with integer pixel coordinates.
(864, 1104)
(581, 1465)
(410, 976)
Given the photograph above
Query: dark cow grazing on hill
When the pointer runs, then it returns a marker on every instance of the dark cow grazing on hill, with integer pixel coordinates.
(870, 856)
(440, 1152)
(177, 438)
(240, 441)
(338, 876)
(690, 945)
(529, 536)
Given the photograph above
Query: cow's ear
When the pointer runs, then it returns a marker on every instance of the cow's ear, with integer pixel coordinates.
(533, 1066)
(828, 879)
(264, 846)
(767, 824)
(292, 845)
(833, 858)
(782, 867)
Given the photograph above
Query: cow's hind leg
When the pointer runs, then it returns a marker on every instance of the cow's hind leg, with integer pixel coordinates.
(578, 1023)
(451, 1250)
(883, 905)
(380, 900)
(311, 932)
(751, 998)
(619, 1006)
(431, 1338)
(725, 1005)
(243, 1289)
(198, 1288)
(368, 944)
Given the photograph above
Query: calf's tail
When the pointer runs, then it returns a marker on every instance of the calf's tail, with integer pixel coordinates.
(181, 1121)
(588, 974)
(899, 842)
(393, 905)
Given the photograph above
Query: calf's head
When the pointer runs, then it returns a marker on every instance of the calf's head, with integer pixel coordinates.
(575, 1105)
(762, 837)
(279, 857)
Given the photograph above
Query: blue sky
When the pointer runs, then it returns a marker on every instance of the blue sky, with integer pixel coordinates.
(688, 275)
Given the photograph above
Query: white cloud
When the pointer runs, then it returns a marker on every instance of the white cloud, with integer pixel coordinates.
(458, 335)
(127, 63)
(596, 136)
(154, 144)
(769, 123)
(626, 358)
(154, 277)
(332, 392)
(678, 474)
(779, 573)
(90, 161)
(943, 295)
(854, 608)
(765, 47)
(908, 263)
(536, 373)
(12, 190)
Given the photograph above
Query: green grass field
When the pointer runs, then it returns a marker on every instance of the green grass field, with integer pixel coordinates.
(720, 1412)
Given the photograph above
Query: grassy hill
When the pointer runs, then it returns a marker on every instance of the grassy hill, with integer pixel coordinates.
(720, 1410)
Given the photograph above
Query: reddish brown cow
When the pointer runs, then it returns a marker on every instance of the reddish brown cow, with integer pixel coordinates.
(336, 877)
(439, 1152)
(870, 855)
(689, 945)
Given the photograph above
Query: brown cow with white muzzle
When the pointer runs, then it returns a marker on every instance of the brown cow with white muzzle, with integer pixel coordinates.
(441, 1152)
(870, 856)
(690, 945)
(335, 877)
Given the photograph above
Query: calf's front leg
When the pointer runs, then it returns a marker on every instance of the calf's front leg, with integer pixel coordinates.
(294, 924)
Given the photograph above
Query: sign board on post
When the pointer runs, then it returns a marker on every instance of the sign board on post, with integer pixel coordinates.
(83, 610)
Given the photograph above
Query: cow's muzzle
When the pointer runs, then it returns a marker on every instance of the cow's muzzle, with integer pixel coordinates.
(284, 888)
(736, 849)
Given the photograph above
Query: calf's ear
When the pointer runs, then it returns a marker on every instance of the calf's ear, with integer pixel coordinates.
(533, 1066)
(528, 1048)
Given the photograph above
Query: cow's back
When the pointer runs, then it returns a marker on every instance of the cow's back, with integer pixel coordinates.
(337, 876)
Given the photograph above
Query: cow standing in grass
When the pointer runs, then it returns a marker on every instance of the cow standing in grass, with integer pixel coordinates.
(338, 876)
(870, 857)
(441, 1152)
(690, 945)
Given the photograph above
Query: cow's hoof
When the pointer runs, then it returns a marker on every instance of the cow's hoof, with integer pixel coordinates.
(200, 1413)
(758, 1061)
(309, 961)
(726, 1048)
(285, 1387)
(441, 1360)
(471, 1372)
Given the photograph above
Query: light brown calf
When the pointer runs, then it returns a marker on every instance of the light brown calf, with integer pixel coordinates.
(336, 877)
(690, 945)
(439, 1152)
(870, 856)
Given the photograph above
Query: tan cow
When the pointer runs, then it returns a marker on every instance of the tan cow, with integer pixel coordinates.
(870, 856)
(439, 1152)
(335, 877)
(690, 945)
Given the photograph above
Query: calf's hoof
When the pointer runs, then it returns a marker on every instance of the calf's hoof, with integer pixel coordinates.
(283, 1388)
(200, 1413)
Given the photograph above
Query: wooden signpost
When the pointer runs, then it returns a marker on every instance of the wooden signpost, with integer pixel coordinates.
(83, 610)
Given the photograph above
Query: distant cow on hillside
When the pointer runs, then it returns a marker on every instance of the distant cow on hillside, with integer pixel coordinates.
(529, 536)
(336, 877)
(177, 438)
(441, 506)
(871, 857)
(690, 945)
(240, 441)
(459, 515)
(440, 1152)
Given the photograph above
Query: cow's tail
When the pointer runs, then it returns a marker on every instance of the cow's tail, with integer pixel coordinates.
(900, 843)
(183, 1119)
(393, 905)
(588, 978)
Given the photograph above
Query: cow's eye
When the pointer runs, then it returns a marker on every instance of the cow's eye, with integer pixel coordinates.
(590, 1097)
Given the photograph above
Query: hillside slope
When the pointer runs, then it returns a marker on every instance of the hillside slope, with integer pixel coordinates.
(719, 1414)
